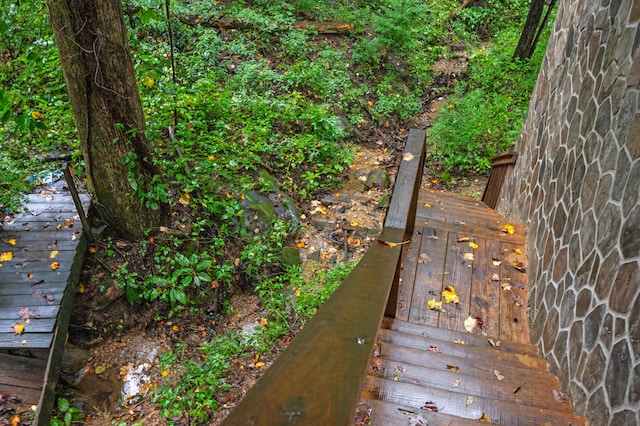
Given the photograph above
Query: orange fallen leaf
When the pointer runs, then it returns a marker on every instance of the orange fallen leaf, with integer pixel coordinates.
(92, 250)
(485, 418)
(463, 239)
(450, 295)
(517, 251)
(18, 328)
(14, 420)
(55, 266)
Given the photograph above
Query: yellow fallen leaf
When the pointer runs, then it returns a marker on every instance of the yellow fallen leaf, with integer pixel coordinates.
(164, 373)
(100, 369)
(11, 241)
(36, 115)
(469, 400)
(5, 257)
(509, 229)
(184, 199)
(433, 304)
(298, 293)
(80, 288)
(259, 364)
(53, 254)
(427, 204)
(55, 265)
(18, 328)
(485, 418)
(148, 81)
(450, 295)
(354, 223)
(517, 251)
(473, 245)
(455, 383)
(458, 342)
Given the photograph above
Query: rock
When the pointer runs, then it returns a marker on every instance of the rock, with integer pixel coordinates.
(290, 256)
(378, 178)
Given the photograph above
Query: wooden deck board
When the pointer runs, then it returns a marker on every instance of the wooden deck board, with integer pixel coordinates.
(37, 286)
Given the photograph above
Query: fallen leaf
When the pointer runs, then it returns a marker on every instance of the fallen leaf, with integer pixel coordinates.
(468, 257)
(391, 244)
(423, 258)
(509, 229)
(427, 205)
(450, 295)
(485, 418)
(100, 369)
(14, 420)
(18, 328)
(473, 245)
(80, 288)
(495, 277)
(59, 226)
(455, 383)
(493, 343)
(433, 304)
(435, 349)
(505, 286)
(430, 406)
(496, 262)
(463, 239)
(11, 241)
(498, 375)
(559, 396)
(518, 266)
(55, 265)
(396, 377)
(164, 373)
(453, 368)
(470, 324)
(53, 254)
(407, 156)
(5, 257)
(458, 342)
(517, 251)
(469, 401)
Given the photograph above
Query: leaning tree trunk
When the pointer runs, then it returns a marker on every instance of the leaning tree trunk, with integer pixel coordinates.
(101, 82)
(526, 44)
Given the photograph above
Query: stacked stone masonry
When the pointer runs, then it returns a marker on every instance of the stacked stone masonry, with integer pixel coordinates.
(577, 187)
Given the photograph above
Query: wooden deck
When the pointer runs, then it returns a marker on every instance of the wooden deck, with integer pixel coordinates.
(43, 250)
(426, 364)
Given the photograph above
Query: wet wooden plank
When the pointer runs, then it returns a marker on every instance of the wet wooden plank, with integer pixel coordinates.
(14, 289)
(514, 323)
(485, 299)
(451, 336)
(26, 340)
(36, 298)
(429, 276)
(457, 404)
(35, 325)
(513, 389)
(449, 349)
(480, 366)
(409, 262)
(385, 414)
(458, 272)
(402, 208)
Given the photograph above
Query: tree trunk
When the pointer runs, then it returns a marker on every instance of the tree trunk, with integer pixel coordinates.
(526, 45)
(101, 82)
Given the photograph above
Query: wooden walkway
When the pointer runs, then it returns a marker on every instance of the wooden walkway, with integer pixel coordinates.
(387, 348)
(41, 253)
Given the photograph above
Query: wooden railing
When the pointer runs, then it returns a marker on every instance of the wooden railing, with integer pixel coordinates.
(317, 378)
(500, 166)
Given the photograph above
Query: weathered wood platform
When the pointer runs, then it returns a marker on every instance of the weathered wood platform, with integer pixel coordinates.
(42, 250)
(424, 366)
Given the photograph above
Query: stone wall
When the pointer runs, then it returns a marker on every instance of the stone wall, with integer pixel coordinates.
(577, 187)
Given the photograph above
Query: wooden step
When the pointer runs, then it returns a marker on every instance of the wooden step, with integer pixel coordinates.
(481, 367)
(465, 406)
(451, 349)
(379, 413)
(452, 335)
(515, 389)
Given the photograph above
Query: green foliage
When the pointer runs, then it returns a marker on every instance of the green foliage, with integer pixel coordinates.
(66, 415)
(484, 117)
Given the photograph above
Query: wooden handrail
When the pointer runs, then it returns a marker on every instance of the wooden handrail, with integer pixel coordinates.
(317, 378)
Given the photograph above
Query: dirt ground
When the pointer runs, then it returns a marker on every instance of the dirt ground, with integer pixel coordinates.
(115, 351)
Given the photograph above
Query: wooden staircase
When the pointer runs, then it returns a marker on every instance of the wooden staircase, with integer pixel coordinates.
(422, 375)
